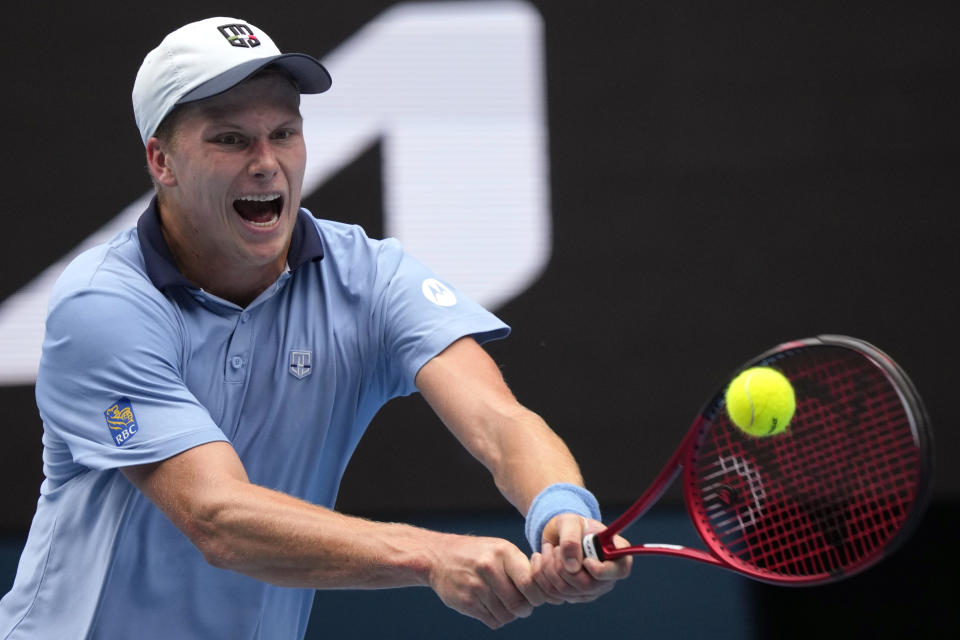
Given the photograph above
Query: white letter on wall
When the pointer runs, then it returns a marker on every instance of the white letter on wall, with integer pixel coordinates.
(455, 93)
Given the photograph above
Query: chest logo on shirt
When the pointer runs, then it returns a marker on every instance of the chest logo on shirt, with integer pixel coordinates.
(301, 364)
(437, 293)
(121, 422)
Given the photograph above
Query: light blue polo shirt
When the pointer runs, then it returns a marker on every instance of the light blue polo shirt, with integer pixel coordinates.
(139, 365)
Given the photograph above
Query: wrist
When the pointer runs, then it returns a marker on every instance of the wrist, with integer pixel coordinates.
(558, 498)
(423, 559)
(400, 555)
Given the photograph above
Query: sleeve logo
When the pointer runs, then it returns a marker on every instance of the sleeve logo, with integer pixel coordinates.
(434, 291)
(121, 422)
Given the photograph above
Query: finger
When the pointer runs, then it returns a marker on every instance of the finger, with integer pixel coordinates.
(486, 616)
(581, 586)
(494, 613)
(537, 565)
(581, 583)
(502, 596)
(610, 569)
(475, 606)
(520, 571)
(551, 572)
(578, 587)
(570, 529)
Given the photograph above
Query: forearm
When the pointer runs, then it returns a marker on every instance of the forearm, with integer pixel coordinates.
(527, 457)
(285, 541)
(464, 387)
(281, 540)
(277, 538)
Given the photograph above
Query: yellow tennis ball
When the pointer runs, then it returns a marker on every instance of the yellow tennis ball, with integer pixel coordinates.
(760, 401)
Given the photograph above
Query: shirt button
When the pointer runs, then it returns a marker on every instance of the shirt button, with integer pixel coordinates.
(244, 317)
(237, 362)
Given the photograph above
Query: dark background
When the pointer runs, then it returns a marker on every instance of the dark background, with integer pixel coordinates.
(724, 177)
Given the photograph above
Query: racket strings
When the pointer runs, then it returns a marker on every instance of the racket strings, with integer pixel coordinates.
(826, 496)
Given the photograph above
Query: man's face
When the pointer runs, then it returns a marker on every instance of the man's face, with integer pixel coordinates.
(236, 162)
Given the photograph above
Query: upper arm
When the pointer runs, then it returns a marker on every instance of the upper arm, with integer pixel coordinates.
(415, 317)
(464, 387)
(114, 392)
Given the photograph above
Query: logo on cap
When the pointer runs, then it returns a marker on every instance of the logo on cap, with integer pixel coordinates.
(239, 35)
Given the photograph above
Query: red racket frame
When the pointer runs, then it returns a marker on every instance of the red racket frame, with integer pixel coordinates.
(601, 545)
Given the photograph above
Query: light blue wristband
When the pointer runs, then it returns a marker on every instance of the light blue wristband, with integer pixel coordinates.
(558, 498)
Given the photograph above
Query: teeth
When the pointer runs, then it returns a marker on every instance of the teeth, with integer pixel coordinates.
(263, 197)
(268, 223)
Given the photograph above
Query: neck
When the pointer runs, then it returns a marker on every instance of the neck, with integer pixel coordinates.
(238, 285)
(236, 282)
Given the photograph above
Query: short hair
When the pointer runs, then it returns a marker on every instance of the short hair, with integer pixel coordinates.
(168, 125)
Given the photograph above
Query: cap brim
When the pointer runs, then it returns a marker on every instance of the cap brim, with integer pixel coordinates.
(307, 72)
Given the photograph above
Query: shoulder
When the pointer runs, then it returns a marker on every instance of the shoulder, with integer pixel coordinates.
(351, 253)
(342, 238)
(118, 262)
(107, 284)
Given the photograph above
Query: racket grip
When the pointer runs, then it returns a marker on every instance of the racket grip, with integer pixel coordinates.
(592, 548)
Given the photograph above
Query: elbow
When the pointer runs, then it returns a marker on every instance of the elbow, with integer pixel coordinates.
(208, 530)
(217, 555)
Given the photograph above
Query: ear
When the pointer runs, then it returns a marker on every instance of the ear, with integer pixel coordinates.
(158, 162)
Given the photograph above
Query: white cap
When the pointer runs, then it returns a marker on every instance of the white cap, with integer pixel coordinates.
(206, 58)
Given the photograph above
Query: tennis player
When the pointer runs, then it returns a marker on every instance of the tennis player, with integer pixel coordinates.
(207, 375)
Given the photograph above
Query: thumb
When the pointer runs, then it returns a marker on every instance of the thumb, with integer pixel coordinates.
(570, 529)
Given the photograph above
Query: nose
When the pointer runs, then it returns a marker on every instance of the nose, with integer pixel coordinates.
(263, 161)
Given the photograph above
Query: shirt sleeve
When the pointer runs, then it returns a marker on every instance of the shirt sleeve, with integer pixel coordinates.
(421, 315)
(110, 383)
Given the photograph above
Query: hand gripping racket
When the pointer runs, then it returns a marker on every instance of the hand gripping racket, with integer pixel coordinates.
(840, 489)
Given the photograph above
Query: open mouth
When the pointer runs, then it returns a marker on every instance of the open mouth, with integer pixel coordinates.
(261, 210)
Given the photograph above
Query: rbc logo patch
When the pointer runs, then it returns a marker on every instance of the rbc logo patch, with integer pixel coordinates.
(121, 422)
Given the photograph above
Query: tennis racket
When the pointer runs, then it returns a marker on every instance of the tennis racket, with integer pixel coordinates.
(837, 491)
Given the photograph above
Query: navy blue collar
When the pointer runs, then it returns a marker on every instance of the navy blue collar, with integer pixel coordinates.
(305, 246)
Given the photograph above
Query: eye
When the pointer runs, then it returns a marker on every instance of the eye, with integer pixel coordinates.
(230, 139)
(283, 134)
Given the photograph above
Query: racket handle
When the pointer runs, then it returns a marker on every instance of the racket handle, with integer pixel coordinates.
(592, 548)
